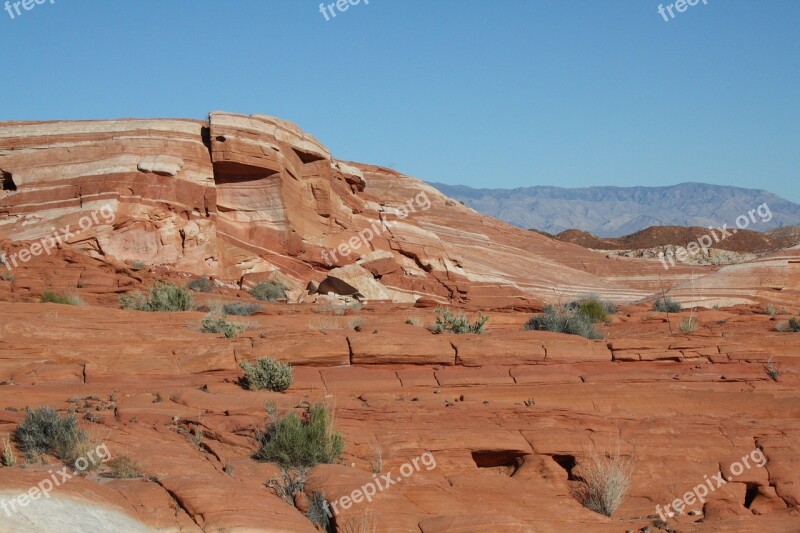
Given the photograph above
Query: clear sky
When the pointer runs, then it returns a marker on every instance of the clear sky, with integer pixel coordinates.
(500, 93)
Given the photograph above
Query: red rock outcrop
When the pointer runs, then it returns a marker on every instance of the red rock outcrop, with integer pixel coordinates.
(238, 197)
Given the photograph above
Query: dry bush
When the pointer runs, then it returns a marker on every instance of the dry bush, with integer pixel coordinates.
(326, 323)
(360, 524)
(9, 458)
(772, 369)
(606, 479)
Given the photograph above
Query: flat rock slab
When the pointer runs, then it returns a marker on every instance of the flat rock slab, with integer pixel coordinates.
(420, 349)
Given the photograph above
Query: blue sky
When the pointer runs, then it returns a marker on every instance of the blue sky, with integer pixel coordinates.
(501, 93)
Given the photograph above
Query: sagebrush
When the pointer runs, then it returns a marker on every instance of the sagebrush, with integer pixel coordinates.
(666, 305)
(241, 309)
(44, 431)
(593, 307)
(220, 324)
(163, 296)
(561, 319)
(301, 441)
(267, 373)
(449, 322)
(269, 291)
(201, 285)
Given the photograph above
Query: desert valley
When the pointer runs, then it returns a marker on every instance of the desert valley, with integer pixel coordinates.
(158, 273)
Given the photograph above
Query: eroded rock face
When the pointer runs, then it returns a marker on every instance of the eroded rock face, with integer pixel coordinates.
(240, 197)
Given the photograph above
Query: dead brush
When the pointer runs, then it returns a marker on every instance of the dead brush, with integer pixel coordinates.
(772, 369)
(605, 480)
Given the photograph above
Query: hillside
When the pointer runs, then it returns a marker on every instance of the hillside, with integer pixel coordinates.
(743, 241)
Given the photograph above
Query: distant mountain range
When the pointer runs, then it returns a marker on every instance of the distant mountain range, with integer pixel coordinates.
(619, 211)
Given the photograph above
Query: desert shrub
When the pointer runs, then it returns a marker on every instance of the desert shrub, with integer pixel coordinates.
(45, 431)
(772, 369)
(294, 441)
(317, 512)
(448, 322)
(356, 324)
(414, 321)
(293, 480)
(792, 326)
(688, 325)
(606, 480)
(240, 309)
(58, 298)
(559, 319)
(201, 285)
(269, 291)
(123, 467)
(220, 324)
(770, 310)
(326, 323)
(267, 373)
(162, 296)
(138, 265)
(594, 308)
(364, 523)
(666, 305)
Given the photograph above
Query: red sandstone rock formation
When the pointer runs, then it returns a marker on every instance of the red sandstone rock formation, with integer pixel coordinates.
(240, 197)
(510, 416)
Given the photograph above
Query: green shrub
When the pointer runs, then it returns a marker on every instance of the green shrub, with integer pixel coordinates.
(201, 285)
(240, 309)
(269, 291)
(45, 431)
(220, 324)
(447, 322)
(267, 373)
(58, 298)
(162, 296)
(793, 326)
(306, 441)
(138, 265)
(667, 305)
(563, 320)
(592, 307)
(770, 310)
